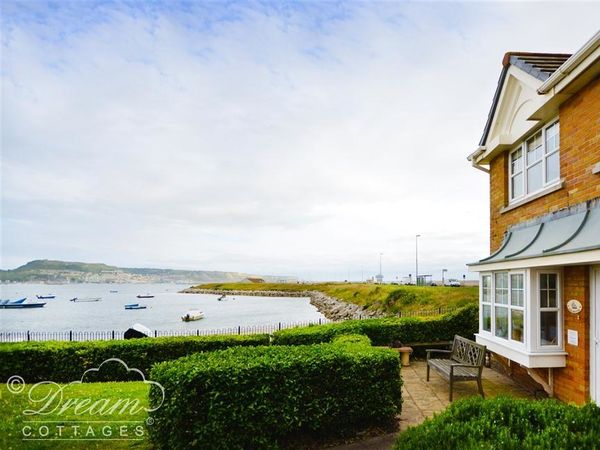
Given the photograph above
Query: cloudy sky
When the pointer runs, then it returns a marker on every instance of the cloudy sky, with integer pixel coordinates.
(277, 138)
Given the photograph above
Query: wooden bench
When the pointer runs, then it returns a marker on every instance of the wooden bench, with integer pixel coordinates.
(463, 363)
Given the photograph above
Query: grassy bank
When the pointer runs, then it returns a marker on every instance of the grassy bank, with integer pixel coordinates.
(60, 425)
(388, 298)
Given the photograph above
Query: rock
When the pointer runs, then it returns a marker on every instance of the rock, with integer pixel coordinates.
(332, 308)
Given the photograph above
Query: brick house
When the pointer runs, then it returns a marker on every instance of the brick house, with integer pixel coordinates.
(540, 286)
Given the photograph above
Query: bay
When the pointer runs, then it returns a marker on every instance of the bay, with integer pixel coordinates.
(163, 312)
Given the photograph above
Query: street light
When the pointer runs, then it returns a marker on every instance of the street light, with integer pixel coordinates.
(417, 259)
(380, 273)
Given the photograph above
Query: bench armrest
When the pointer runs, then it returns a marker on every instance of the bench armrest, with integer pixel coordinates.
(429, 351)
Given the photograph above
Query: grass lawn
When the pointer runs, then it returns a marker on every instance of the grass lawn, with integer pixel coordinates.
(127, 418)
(386, 297)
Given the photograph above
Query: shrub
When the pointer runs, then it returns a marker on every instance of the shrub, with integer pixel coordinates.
(67, 361)
(507, 423)
(265, 397)
(463, 322)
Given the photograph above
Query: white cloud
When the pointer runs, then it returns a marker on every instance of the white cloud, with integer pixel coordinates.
(297, 141)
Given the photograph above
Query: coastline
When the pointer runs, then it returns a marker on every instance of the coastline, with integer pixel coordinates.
(331, 307)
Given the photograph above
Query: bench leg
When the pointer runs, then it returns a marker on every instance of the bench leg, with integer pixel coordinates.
(427, 372)
(451, 386)
(480, 386)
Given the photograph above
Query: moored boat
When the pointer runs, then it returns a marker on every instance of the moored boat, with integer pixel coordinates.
(135, 306)
(194, 314)
(19, 304)
(222, 297)
(145, 296)
(46, 297)
(86, 299)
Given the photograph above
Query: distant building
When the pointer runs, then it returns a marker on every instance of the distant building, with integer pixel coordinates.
(379, 279)
(254, 280)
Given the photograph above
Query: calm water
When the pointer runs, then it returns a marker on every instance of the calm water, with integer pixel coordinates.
(163, 313)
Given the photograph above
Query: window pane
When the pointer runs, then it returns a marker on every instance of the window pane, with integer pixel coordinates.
(543, 298)
(544, 281)
(516, 161)
(551, 277)
(516, 325)
(553, 167)
(502, 322)
(549, 327)
(486, 288)
(551, 298)
(501, 280)
(516, 290)
(534, 148)
(534, 178)
(487, 318)
(552, 138)
(517, 185)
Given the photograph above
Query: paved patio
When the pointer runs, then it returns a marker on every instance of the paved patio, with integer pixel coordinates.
(423, 399)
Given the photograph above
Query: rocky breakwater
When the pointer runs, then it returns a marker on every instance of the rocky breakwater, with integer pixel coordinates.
(331, 307)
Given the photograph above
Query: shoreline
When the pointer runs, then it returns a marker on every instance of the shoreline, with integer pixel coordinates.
(331, 307)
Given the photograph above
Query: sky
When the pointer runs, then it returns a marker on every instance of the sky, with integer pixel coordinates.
(284, 138)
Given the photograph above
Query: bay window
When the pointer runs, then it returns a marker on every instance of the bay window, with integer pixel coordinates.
(535, 164)
(520, 309)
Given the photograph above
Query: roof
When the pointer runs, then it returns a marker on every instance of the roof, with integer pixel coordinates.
(539, 65)
(570, 231)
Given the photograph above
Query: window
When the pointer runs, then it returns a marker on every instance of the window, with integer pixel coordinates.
(486, 299)
(503, 305)
(549, 308)
(535, 164)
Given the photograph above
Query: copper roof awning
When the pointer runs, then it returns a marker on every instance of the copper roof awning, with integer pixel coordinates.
(572, 233)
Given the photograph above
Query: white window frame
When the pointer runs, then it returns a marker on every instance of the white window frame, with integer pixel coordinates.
(491, 334)
(557, 309)
(524, 165)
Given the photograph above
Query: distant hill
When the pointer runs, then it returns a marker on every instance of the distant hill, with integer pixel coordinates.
(49, 271)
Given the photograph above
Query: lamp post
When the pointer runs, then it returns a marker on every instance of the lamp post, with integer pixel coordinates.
(443, 271)
(417, 259)
(380, 273)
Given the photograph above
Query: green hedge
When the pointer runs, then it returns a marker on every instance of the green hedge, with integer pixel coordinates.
(67, 361)
(507, 423)
(266, 397)
(464, 322)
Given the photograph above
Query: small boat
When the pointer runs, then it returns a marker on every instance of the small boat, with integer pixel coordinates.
(19, 304)
(194, 314)
(135, 306)
(46, 297)
(86, 299)
(114, 292)
(145, 296)
(222, 297)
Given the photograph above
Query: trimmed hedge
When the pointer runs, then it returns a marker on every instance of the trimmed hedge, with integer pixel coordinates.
(67, 361)
(266, 397)
(464, 322)
(507, 423)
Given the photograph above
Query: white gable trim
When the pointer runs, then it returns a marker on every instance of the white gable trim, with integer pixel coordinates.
(512, 122)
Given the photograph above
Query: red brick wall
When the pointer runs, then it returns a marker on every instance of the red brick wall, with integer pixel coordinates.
(579, 150)
(572, 383)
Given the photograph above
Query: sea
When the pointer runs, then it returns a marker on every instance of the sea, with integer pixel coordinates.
(163, 312)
